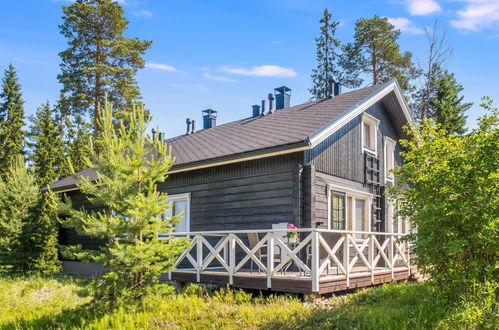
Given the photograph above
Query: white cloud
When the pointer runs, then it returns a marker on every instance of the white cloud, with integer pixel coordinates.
(477, 15)
(261, 71)
(405, 25)
(159, 66)
(217, 78)
(423, 7)
(142, 13)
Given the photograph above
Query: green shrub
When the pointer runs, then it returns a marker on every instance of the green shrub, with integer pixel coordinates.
(449, 188)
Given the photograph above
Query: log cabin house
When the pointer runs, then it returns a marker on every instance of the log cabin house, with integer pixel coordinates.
(321, 167)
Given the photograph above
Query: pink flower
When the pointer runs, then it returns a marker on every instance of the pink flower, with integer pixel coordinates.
(292, 226)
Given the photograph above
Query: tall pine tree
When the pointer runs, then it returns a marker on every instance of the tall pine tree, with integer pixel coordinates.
(447, 107)
(47, 154)
(99, 60)
(326, 56)
(129, 166)
(376, 52)
(11, 120)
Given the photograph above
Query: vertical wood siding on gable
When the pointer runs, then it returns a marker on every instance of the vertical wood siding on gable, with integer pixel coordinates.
(247, 195)
(340, 154)
(386, 129)
(339, 160)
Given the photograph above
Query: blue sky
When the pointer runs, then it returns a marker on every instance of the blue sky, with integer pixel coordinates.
(228, 55)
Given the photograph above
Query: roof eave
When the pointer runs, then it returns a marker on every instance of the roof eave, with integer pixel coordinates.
(332, 126)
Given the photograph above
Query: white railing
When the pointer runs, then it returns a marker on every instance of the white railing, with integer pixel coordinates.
(320, 254)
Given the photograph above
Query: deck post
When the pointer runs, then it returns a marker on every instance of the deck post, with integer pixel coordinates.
(392, 264)
(199, 258)
(315, 261)
(346, 258)
(232, 258)
(371, 256)
(270, 260)
(408, 259)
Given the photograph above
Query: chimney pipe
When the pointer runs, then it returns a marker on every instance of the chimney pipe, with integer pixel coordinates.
(263, 107)
(282, 97)
(209, 118)
(256, 110)
(193, 126)
(153, 131)
(271, 101)
(330, 87)
(188, 122)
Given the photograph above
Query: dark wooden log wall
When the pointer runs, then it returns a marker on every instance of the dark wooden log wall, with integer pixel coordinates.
(247, 195)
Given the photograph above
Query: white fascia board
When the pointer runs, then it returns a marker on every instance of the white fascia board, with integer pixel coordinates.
(334, 125)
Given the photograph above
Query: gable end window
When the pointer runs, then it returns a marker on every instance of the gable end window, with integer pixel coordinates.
(389, 159)
(369, 133)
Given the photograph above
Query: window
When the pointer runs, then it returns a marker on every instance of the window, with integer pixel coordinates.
(180, 206)
(396, 224)
(349, 209)
(389, 159)
(369, 133)
(338, 220)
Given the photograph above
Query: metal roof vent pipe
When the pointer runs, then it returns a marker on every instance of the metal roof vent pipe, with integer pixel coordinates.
(193, 126)
(209, 118)
(153, 131)
(256, 110)
(271, 101)
(188, 122)
(334, 87)
(282, 97)
(263, 107)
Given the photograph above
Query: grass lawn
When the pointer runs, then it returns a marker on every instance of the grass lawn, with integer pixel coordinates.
(66, 302)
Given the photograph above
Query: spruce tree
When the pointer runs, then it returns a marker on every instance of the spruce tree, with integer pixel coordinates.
(18, 196)
(40, 236)
(11, 120)
(77, 142)
(129, 165)
(47, 154)
(447, 107)
(376, 52)
(100, 60)
(327, 58)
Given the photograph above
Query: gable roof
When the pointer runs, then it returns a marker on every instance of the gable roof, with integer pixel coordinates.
(287, 130)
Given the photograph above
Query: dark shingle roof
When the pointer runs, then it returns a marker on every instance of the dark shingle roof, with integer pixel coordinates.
(282, 128)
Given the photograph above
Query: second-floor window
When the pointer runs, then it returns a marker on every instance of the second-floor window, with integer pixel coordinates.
(389, 159)
(369, 133)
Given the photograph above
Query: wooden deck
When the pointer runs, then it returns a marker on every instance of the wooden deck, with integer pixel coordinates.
(324, 261)
(293, 282)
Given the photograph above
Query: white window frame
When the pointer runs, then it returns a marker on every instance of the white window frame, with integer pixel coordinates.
(401, 221)
(187, 215)
(389, 177)
(373, 122)
(355, 194)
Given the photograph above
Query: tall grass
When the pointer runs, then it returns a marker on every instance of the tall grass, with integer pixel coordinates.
(66, 303)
